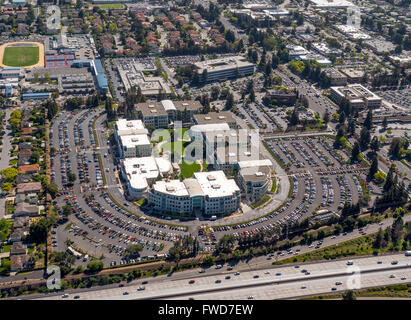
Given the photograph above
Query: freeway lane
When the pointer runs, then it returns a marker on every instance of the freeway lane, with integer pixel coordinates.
(324, 273)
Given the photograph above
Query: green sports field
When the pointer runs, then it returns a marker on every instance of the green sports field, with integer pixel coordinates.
(20, 56)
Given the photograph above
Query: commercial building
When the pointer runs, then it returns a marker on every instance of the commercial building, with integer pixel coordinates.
(335, 77)
(286, 97)
(215, 117)
(124, 127)
(36, 96)
(141, 172)
(132, 76)
(152, 114)
(210, 192)
(254, 178)
(135, 146)
(334, 4)
(353, 75)
(132, 139)
(358, 96)
(223, 68)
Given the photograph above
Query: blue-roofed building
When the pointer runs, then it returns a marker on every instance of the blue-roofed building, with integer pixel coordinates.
(19, 2)
(9, 91)
(36, 96)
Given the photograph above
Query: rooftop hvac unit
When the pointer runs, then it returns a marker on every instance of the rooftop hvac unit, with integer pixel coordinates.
(207, 118)
(221, 117)
(170, 188)
(259, 174)
(210, 177)
(215, 186)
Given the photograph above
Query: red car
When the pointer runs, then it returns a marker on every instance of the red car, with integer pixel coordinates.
(121, 285)
(191, 281)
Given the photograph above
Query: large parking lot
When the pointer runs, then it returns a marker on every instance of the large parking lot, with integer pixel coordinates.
(400, 97)
(321, 178)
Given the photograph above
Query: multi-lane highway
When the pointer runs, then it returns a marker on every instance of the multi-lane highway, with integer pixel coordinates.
(269, 283)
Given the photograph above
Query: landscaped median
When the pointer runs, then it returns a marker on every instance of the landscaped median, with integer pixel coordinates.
(355, 247)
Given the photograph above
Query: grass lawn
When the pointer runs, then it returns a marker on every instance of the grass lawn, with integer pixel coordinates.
(20, 56)
(260, 202)
(187, 170)
(174, 146)
(112, 6)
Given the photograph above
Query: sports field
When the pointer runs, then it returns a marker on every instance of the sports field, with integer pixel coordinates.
(21, 56)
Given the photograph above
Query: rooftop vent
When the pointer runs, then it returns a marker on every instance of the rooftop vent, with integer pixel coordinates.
(215, 186)
(210, 177)
(170, 188)
(207, 118)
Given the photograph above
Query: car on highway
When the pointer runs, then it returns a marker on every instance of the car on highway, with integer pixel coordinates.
(334, 289)
(76, 297)
(121, 285)
(125, 293)
(403, 278)
(394, 262)
(229, 268)
(338, 283)
(250, 298)
(218, 281)
(256, 276)
(237, 273)
(392, 276)
(303, 287)
(144, 282)
(379, 262)
(66, 295)
(219, 266)
(202, 271)
(278, 274)
(141, 288)
(191, 281)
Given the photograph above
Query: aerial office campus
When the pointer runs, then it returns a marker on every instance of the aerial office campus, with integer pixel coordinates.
(205, 149)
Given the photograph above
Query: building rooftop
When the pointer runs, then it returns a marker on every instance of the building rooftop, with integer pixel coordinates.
(131, 141)
(172, 187)
(215, 184)
(214, 117)
(151, 109)
(130, 127)
(222, 64)
(256, 174)
(138, 170)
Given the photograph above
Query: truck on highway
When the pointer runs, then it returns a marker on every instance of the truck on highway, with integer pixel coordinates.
(408, 254)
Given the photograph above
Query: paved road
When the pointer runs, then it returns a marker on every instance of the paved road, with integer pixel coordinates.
(269, 283)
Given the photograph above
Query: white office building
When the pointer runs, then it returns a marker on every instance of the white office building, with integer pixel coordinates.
(134, 146)
(210, 192)
(140, 173)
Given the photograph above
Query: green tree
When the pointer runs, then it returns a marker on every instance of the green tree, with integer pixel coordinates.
(208, 261)
(9, 174)
(95, 266)
(53, 189)
(133, 249)
(349, 295)
(6, 186)
(355, 152)
(72, 177)
(38, 230)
